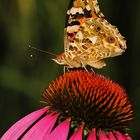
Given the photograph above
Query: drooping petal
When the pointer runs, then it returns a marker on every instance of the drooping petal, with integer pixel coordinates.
(92, 135)
(128, 137)
(120, 136)
(42, 128)
(111, 136)
(102, 136)
(22, 125)
(61, 131)
(78, 134)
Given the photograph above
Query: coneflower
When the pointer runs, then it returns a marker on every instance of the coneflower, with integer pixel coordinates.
(80, 105)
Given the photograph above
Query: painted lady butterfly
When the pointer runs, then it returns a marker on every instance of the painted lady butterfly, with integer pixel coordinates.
(88, 37)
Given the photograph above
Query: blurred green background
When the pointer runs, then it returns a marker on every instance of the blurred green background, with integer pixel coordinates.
(40, 24)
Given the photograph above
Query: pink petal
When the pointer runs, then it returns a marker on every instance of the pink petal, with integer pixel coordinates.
(111, 136)
(102, 136)
(78, 134)
(20, 127)
(128, 137)
(41, 128)
(120, 136)
(61, 131)
(92, 135)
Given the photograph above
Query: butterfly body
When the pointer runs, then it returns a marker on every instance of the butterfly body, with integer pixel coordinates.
(88, 37)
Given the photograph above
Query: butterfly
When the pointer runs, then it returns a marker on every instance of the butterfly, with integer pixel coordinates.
(88, 37)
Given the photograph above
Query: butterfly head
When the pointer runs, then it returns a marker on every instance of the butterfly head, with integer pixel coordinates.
(60, 59)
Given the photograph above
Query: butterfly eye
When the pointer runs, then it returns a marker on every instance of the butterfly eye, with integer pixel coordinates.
(111, 39)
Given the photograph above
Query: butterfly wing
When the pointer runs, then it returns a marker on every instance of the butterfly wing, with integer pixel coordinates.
(88, 36)
(78, 11)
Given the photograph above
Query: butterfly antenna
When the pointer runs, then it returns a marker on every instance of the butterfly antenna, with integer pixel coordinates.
(42, 50)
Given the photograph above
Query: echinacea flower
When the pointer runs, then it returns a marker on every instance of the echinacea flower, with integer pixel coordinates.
(80, 105)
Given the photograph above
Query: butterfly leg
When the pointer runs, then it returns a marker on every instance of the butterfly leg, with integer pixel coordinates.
(92, 70)
(66, 68)
(99, 64)
(84, 66)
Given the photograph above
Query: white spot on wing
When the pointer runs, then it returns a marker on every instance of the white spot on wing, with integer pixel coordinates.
(93, 39)
(88, 7)
(73, 44)
(71, 29)
(74, 10)
(68, 12)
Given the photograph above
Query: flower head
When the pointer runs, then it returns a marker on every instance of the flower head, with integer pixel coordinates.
(80, 105)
